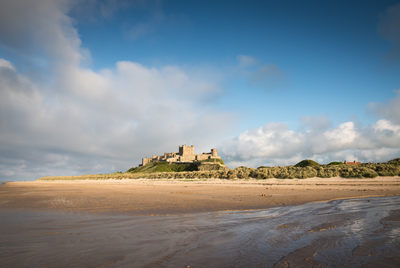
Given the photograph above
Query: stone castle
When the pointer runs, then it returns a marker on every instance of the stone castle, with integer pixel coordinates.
(185, 155)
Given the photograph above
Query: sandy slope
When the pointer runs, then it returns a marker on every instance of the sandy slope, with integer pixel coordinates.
(180, 196)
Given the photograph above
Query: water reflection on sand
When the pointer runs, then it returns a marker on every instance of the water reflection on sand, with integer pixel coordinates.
(353, 233)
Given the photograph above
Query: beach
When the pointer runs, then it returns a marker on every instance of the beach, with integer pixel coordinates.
(315, 222)
(359, 232)
(161, 197)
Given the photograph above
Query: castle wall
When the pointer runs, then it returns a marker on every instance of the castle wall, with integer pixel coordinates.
(203, 156)
(185, 154)
(145, 161)
(172, 159)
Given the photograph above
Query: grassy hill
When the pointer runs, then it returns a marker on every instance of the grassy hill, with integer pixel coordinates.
(307, 163)
(164, 167)
(172, 167)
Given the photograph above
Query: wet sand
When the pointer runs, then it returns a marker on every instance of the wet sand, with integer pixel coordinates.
(161, 197)
(361, 232)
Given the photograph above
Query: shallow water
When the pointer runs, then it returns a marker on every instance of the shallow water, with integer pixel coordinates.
(341, 233)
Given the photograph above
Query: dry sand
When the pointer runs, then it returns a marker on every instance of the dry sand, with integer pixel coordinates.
(146, 197)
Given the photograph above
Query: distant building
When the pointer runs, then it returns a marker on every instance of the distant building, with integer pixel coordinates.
(184, 155)
(352, 163)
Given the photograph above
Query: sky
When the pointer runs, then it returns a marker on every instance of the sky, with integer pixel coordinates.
(90, 86)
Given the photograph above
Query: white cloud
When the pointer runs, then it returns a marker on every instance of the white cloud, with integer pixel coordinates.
(40, 29)
(385, 125)
(276, 144)
(341, 137)
(246, 61)
(6, 65)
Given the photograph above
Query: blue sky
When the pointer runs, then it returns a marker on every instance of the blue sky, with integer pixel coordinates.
(325, 50)
(92, 86)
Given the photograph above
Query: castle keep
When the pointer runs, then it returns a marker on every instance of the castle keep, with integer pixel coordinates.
(185, 155)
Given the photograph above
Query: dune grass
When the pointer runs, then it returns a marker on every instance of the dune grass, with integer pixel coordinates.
(304, 169)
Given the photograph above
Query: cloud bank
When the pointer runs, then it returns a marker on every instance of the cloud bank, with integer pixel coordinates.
(276, 144)
(84, 121)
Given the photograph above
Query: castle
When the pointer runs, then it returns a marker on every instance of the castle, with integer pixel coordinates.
(185, 155)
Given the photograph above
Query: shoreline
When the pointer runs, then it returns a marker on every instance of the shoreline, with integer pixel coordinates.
(161, 197)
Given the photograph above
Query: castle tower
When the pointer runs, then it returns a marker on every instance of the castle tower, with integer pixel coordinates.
(186, 153)
(214, 152)
(185, 150)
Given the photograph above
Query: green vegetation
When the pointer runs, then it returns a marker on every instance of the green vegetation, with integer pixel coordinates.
(334, 163)
(207, 170)
(165, 167)
(214, 160)
(307, 163)
(385, 169)
(132, 169)
(394, 161)
(203, 165)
